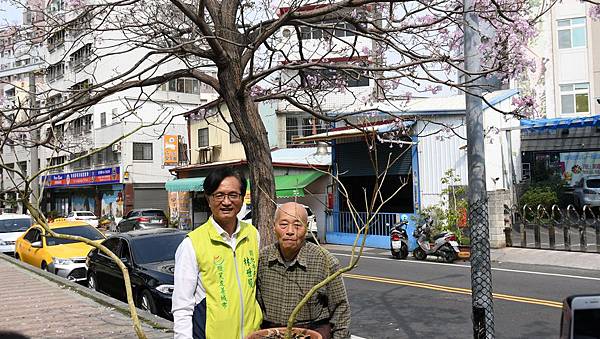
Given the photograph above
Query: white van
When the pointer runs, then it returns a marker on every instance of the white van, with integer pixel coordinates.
(11, 227)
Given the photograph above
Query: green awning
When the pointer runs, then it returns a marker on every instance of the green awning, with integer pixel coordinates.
(287, 186)
(185, 185)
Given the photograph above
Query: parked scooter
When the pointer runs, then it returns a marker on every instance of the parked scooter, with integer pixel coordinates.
(399, 240)
(444, 244)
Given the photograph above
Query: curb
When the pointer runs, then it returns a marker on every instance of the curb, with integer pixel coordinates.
(145, 317)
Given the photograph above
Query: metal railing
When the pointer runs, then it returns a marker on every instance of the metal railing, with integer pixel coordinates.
(566, 229)
(344, 222)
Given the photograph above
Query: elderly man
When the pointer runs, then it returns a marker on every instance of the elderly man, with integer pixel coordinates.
(288, 269)
(215, 267)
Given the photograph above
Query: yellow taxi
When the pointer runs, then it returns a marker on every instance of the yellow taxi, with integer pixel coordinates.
(63, 257)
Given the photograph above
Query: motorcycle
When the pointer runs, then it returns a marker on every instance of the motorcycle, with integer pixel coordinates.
(399, 240)
(444, 244)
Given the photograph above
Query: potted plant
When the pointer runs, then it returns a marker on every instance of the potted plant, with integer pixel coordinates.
(279, 333)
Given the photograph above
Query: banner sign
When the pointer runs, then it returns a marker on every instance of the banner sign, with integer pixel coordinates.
(576, 165)
(171, 149)
(110, 175)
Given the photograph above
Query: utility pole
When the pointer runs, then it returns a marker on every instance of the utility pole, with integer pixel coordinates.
(35, 137)
(481, 273)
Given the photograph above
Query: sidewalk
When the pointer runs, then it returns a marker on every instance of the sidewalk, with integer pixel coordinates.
(516, 255)
(582, 260)
(38, 304)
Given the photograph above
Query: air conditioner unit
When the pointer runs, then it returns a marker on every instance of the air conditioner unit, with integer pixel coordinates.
(116, 147)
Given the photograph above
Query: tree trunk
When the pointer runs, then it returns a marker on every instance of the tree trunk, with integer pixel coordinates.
(253, 135)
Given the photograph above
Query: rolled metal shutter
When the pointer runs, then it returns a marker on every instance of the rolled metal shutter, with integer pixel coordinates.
(151, 198)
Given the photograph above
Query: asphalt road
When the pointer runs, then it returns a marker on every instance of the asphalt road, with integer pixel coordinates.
(410, 299)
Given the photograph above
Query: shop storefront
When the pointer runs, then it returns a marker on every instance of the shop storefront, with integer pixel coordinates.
(99, 191)
(568, 149)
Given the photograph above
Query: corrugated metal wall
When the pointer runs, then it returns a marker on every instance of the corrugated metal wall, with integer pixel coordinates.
(443, 150)
(439, 152)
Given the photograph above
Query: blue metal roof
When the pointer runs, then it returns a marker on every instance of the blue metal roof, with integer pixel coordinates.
(557, 123)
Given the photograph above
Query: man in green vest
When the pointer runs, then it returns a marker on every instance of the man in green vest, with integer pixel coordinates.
(215, 267)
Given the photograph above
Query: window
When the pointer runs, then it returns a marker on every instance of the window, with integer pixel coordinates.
(55, 71)
(183, 85)
(22, 167)
(142, 151)
(574, 98)
(33, 235)
(56, 39)
(83, 163)
(81, 231)
(56, 6)
(56, 100)
(113, 244)
(57, 161)
(203, 137)
(302, 126)
(80, 87)
(102, 119)
(107, 156)
(328, 28)
(233, 134)
(571, 33)
(79, 25)
(82, 125)
(125, 254)
(59, 130)
(81, 56)
(291, 129)
(331, 78)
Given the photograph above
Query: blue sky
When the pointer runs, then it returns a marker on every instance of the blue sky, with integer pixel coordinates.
(9, 14)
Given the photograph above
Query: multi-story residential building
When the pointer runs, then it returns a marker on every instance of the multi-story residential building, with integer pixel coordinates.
(567, 78)
(111, 176)
(20, 58)
(328, 43)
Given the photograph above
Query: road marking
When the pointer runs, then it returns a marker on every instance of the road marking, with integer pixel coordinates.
(450, 289)
(469, 266)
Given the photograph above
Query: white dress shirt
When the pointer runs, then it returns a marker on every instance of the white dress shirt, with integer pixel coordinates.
(189, 290)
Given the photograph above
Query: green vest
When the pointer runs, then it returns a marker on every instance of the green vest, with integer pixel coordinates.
(229, 278)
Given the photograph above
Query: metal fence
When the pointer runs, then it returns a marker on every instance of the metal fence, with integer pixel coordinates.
(568, 229)
(341, 228)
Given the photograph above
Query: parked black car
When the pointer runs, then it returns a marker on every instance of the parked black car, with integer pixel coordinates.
(142, 219)
(150, 258)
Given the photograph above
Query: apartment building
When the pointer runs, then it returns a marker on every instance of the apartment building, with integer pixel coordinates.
(20, 57)
(111, 176)
(567, 53)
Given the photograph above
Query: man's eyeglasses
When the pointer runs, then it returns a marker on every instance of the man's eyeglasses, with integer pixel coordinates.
(221, 196)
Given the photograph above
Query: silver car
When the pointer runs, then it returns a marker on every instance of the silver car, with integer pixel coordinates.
(587, 191)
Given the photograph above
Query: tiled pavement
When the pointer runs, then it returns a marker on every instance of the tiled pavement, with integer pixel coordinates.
(37, 304)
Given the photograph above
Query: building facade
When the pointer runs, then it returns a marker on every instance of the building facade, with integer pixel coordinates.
(116, 154)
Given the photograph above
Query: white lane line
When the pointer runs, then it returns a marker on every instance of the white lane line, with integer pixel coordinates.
(469, 266)
(356, 337)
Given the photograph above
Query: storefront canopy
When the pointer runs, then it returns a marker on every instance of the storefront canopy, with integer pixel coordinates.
(185, 185)
(286, 186)
(557, 123)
